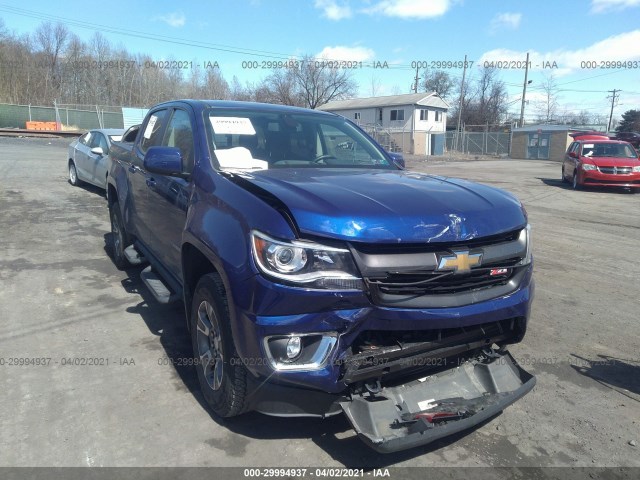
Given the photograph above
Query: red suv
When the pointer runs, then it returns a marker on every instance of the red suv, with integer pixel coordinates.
(598, 161)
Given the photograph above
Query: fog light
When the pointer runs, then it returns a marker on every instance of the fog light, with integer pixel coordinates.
(294, 346)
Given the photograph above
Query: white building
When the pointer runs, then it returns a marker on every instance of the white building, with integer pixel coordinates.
(411, 123)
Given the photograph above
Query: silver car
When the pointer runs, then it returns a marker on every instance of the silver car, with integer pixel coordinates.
(89, 156)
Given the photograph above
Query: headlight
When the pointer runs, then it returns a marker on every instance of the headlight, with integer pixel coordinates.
(588, 166)
(525, 237)
(305, 264)
(636, 169)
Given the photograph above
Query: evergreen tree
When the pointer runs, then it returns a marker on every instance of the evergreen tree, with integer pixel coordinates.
(630, 122)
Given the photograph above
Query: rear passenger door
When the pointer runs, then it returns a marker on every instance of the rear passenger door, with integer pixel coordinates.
(170, 195)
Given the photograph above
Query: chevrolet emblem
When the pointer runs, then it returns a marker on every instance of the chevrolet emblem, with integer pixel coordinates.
(460, 262)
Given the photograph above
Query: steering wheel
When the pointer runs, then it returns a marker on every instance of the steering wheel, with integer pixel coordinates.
(321, 158)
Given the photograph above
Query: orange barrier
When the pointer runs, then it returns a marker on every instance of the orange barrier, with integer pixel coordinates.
(42, 126)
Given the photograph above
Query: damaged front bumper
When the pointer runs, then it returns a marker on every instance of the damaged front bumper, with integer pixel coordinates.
(407, 415)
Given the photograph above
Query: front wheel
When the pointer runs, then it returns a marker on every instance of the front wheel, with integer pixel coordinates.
(562, 176)
(73, 175)
(119, 237)
(574, 182)
(221, 373)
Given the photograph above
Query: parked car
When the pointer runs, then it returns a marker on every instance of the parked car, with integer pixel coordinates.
(89, 159)
(632, 137)
(596, 160)
(318, 276)
(130, 135)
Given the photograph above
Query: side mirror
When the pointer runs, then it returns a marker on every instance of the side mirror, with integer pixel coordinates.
(97, 151)
(573, 154)
(164, 161)
(397, 159)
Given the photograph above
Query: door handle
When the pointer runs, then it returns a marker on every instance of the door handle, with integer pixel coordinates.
(151, 183)
(132, 169)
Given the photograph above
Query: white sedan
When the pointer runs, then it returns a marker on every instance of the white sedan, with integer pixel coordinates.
(89, 156)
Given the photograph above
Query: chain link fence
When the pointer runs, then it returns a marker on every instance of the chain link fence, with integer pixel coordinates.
(485, 142)
(82, 117)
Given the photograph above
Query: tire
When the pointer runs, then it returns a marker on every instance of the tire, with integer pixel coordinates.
(119, 237)
(73, 174)
(562, 177)
(574, 181)
(222, 376)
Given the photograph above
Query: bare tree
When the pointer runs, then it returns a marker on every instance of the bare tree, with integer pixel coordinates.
(318, 83)
(547, 108)
(76, 84)
(282, 88)
(572, 118)
(215, 86)
(484, 100)
(375, 86)
(51, 40)
(437, 81)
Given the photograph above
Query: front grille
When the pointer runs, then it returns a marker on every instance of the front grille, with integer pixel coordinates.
(435, 283)
(615, 170)
(411, 277)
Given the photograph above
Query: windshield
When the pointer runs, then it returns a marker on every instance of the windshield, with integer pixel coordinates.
(250, 139)
(617, 150)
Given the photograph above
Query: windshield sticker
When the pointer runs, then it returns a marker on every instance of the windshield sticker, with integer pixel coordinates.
(232, 125)
(588, 145)
(150, 125)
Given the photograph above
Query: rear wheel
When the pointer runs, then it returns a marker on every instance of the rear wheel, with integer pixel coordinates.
(73, 175)
(221, 373)
(119, 237)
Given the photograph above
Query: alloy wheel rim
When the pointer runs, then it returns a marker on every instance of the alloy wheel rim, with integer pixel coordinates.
(72, 174)
(209, 343)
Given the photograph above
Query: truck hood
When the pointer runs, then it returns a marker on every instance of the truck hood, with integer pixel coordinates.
(383, 206)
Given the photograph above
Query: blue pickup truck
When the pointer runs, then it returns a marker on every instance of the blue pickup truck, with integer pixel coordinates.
(319, 276)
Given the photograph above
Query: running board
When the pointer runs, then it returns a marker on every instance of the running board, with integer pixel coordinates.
(424, 410)
(134, 256)
(157, 287)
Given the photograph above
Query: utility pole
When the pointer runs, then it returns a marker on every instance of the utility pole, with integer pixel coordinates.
(614, 97)
(524, 90)
(415, 85)
(464, 73)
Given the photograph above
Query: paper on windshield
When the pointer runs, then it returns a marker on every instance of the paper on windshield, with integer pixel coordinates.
(239, 158)
(232, 126)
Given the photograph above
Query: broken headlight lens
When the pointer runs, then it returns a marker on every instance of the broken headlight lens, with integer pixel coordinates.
(307, 264)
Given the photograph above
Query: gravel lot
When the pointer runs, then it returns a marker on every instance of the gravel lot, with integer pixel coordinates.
(62, 299)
